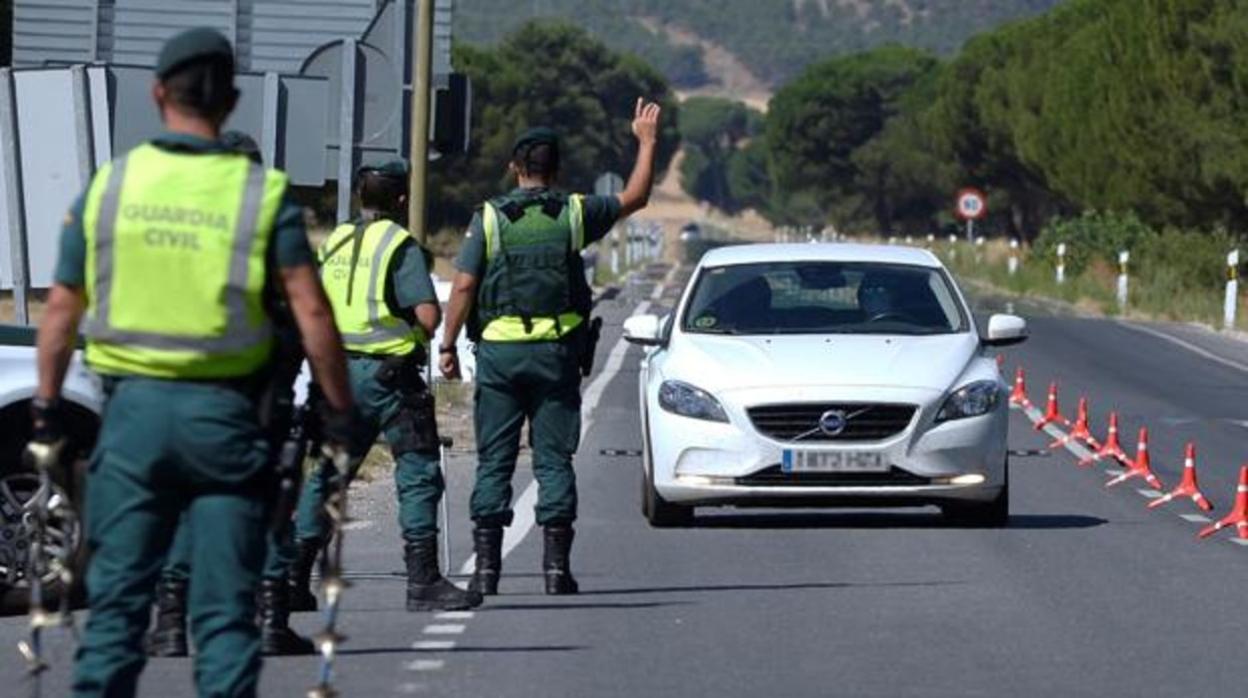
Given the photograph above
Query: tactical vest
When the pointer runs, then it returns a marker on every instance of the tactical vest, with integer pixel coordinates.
(534, 288)
(176, 264)
(355, 264)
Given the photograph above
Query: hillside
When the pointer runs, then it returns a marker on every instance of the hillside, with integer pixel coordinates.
(772, 39)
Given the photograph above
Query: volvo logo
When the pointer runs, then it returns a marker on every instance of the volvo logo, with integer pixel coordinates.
(833, 422)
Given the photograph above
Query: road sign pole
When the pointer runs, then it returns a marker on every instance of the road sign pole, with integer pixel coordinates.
(422, 78)
(970, 230)
(1230, 306)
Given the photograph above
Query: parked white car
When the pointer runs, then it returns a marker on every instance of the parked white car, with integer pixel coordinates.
(823, 375)
(83, 400)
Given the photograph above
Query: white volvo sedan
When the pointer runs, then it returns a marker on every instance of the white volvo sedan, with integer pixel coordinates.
(823, 375)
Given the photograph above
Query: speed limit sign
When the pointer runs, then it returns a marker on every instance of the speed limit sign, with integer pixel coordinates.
(971, 205)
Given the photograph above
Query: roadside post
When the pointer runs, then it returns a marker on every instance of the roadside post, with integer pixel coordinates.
(931, 239)
(1061, 263)
(953, 247)
(607, 184)
(1012, 262)
(909, 241)
(1230, 306)
(971, 205)
(1123, 258)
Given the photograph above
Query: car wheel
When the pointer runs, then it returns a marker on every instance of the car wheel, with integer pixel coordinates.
(991, 514)
(660, 512)
(63, 535)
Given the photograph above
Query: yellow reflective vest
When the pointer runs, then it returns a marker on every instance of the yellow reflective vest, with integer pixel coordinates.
(176, 264)
(355, 270)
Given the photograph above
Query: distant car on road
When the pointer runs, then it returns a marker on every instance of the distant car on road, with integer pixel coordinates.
(823, 375)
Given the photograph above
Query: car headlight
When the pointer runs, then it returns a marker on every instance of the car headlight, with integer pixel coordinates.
(978, 398)
(687, 401)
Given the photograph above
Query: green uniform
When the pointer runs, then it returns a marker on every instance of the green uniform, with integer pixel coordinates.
(375, 275)
(175, 245)
(529, 314)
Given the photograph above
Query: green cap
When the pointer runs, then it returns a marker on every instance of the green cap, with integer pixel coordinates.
(397, 169)
(190, 46)
(542, 135)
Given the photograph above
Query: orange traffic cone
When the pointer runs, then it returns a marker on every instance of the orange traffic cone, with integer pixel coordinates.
(1111, 448)
(1188, 487)
(1052, 413)
(1238, 516)
(1081, 433)
(1141, 467)
(1019, 395)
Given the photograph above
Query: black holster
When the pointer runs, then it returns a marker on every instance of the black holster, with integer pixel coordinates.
(589, 345)
(414, 427)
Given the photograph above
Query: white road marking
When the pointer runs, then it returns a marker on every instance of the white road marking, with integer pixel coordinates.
(413, 688)
(524, 518)
(1200, 351)
(425, 665)
(454, 615)
(1195, 518)
(358, 525)
(433, 645)
(1114, 472)
(1239, 541)
(1150, 494)
(444, 629)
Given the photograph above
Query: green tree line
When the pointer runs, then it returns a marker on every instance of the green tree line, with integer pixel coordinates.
(1112, 105)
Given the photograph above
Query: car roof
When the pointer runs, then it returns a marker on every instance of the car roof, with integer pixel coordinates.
(820, 252)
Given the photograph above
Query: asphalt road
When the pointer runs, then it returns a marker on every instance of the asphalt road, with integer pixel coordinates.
(1087, 593)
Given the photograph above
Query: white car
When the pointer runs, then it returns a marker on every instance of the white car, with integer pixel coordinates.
(823, 375)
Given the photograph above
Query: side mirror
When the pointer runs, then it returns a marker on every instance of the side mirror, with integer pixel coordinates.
(644, 330)
(1005, 330)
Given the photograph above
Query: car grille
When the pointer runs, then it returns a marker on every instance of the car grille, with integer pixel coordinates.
(776, 477)
(800, 421)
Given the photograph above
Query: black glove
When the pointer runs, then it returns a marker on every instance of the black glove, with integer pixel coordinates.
(347, 430)
(45, 418)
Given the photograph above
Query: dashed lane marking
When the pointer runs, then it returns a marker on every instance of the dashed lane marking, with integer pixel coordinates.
(433, 645)
(1149, 493)
(425, 665)
(454, 615)
(1195, 518)
(1239, 541)
(444, 629)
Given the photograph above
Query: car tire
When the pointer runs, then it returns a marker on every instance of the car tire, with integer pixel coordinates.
(661, 513)
(81, 427)
(991, 514)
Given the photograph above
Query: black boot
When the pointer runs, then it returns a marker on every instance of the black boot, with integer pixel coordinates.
(168, 638)
(300, 594)
(557, 548)
(487, 543)
(427, 589)
(276, 637)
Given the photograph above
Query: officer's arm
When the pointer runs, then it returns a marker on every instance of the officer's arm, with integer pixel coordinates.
(429, 315)
(463, 293)
(646, 127)
(321, 341)
(57, 334)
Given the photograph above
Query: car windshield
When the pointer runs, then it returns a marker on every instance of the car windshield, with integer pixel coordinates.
(823, 298)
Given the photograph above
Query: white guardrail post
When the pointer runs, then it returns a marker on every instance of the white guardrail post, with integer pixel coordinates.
(1061, 263)
(1230, 306)
(1123, 258)
(1012, 262)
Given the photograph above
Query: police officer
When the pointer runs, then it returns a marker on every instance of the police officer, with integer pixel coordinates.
(170, 257)
(168, 636)
(521, 277)
(377, 278)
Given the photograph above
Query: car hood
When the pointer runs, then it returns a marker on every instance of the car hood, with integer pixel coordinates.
(728, 363)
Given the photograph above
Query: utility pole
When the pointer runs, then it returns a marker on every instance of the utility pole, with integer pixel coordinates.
(422, 78)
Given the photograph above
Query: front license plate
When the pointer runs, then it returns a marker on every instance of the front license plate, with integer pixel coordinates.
(833, 462)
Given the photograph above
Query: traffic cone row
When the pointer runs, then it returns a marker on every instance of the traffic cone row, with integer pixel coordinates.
(1138, 467)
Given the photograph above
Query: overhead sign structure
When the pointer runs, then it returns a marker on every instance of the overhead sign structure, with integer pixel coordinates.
(971, 206)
